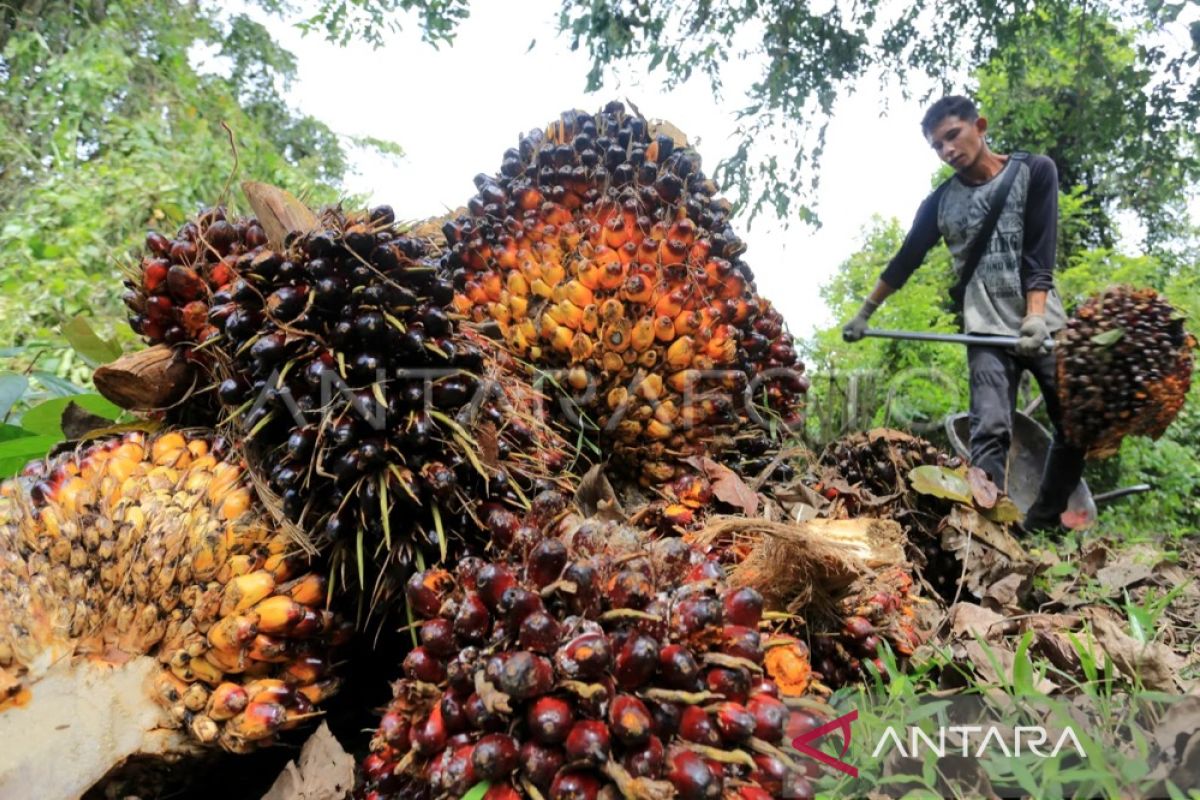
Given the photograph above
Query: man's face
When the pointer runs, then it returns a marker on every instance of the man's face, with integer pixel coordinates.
(958, 142)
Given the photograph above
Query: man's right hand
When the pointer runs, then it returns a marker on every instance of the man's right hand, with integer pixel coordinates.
(857, 327)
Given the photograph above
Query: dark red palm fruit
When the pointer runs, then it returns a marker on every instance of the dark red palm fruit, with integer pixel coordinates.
(549, 719)
(800, 723)
(160, 308)
(472, 620)
(731, 684)
(501, 524)
(798, 787)
(468, 567)
(743, 606)
(706, 570)
(769, 773)
(539, 763)
(154, 274)
(395, 730)
(636, 661)
(586, 579)
(629, 589)
(421, 665)
(379, 769)
(193, 317)
(517, 603)
(588, 742)
(743, 642)
(501, 791)
(764, 686)
(526, 675)
(437, 637)
(426, 591)
(540, 633)
(495, 756)
(480, 717)
(734, 722)
(666, 718)
(460, 671)
(645, 761)
(454, 714)
(858, 627)
(492, 581)
(586, 657)
(696, 618)
(184, 252)
(692, 778)
(575, 785)
(696, 725)
(545, 562)
(752, 793)
(770, 717)
(157, 244)
(459, 773)
(430, 734)
(630, 720)
(678, 667)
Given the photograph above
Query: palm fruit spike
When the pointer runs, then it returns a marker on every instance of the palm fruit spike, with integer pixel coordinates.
(175, 285)
(605, 664)
(1124, 368)
(372, 418)
(139, 572)
(601, 251)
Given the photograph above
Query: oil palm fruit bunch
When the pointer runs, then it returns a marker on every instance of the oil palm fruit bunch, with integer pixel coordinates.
(138, 573)
(592, 664)
(375, 423)
(179, 279)
(603, 255)
(1124, 368)
(876, 610)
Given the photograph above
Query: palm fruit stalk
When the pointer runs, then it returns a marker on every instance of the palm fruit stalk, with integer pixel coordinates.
(603, 255)
(375, 425)
(147, 605)
(866, 475)
(1124, 368)
(588, 663)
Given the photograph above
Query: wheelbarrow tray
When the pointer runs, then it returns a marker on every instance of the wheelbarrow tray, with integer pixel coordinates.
(1026, 460)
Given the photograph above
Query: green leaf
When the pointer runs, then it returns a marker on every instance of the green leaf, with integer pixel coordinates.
(12, 386)
(46, 418)
(95, 351)
(8, 432)
(1108, 338)
(1141, 623)
(477, 791)
(60, 387)
(16, 453)
(940, 482)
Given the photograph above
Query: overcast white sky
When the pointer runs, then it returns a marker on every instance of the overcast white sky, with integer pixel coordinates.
(456, 110)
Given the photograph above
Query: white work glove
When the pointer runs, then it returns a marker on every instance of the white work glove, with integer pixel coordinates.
(1033, 336)
(853, 330)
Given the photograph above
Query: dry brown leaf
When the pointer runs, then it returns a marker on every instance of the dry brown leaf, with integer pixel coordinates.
(325, 771)
(968, 520)
(727, 485)
(489, 445)
(595, 496)
(1155, 664)
(982, 488)
(278, 211)
(968, 620)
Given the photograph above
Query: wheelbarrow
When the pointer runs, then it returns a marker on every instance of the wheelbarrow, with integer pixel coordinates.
(1030, 441)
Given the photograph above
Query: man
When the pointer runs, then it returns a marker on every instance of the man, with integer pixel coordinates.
(1010, 293)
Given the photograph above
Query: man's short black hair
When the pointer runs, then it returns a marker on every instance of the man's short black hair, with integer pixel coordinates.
(953, 105)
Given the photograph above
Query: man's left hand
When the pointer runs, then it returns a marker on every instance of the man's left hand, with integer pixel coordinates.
(1033, 336)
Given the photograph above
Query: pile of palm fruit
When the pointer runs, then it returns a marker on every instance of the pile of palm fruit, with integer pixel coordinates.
(1124, 368)
(399, 421)
(602, 253)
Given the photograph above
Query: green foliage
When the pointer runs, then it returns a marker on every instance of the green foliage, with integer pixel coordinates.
(108, 128)
(874, 382)
(1072, 84)
(343, 21)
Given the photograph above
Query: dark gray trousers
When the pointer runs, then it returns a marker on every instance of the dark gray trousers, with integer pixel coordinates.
(995, 374)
